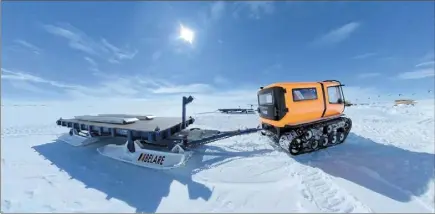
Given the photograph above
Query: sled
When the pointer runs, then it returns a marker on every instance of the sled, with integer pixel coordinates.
(236, 111)
(151, 142)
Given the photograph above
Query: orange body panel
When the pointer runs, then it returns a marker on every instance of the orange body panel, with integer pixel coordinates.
(310, 109)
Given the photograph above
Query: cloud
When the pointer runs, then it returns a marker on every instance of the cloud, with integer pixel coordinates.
(212, 14)
(425, 64)
(368, 75)
(428, 57)
(337, 35)
(419, 74)
(111, 85)
(426, 69)
(255, 8)
(427, 60)
(78, 40)
(118, 87)
(93, 65)
(27, 86)
(217, 10)
(119, 54)
(91, 61)
(113, 61)
(220, 80)
(160, 86)
(28, 45)
(363, 56)
(176, 89)
(11, 75)
(22, 76)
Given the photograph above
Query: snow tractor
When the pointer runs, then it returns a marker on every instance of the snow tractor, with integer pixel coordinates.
(303, 117)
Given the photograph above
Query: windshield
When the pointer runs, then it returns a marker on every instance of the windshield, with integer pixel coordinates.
(265, 99)
(334, 94)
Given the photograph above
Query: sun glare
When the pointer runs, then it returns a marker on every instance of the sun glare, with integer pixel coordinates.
(186, 34)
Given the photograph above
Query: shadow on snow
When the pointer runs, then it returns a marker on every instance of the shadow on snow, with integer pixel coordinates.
(388, 170)
(141, 188)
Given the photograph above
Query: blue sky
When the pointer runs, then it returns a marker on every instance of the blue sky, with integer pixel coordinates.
(64, 50)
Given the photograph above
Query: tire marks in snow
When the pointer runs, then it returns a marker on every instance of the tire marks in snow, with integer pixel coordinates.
(321, 189)
(327, 196)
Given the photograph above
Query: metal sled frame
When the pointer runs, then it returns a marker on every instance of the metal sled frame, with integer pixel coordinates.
(236, 111)
(161, 142)
(153, 131)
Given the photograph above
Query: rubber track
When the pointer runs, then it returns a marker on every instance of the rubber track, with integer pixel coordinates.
(317, 125)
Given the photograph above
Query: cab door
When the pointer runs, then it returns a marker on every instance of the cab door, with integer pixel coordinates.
(334, 100)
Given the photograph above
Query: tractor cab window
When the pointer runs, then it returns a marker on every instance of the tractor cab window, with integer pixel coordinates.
(334, 94)
(265, 99)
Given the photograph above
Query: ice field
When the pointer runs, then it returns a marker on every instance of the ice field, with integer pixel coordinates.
(385, 165)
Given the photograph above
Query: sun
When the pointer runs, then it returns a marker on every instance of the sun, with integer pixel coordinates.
(186, 34)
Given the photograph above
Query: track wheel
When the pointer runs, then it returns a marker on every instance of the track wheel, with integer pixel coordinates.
(327, 129)
(324, 142)
(308, 135)
(333, 139)
(340, 137)
(314, 145)
(346, 125)
(295, 147)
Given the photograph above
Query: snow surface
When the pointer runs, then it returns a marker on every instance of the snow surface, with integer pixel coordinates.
(386, 165)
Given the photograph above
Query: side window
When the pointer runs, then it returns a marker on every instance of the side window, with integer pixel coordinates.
(265, 99)
(300, 94)
(334, 94)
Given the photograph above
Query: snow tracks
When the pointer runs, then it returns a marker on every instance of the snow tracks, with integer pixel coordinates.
(319, 188)
(325, 194)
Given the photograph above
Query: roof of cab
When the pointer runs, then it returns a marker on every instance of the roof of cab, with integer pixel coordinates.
(301, 84)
